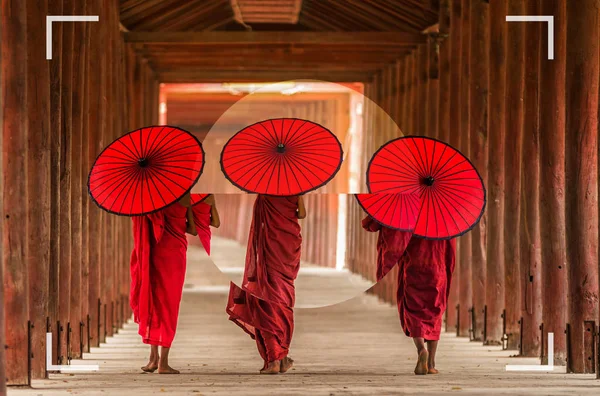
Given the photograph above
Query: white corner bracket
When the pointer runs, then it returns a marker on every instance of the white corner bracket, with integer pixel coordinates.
(64, 368)
(537, 367)
(538, 18)
(63, 18)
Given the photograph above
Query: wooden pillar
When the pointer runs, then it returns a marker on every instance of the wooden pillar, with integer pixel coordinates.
(582, 177)
(531, 275)
(466, 287)
(495, 281)
(14, 244)
(444, 67)
(96, 79)
(515, 82)
(478, 86)
(552, 182)
(55, 8)
(423, 90)
(433, 86)
(65, 182)
(78, 92)
(416, 110)
(452, 319)
(38, 186)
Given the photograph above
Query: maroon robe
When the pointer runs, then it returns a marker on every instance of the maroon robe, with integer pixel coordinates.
(424, 276)
(158, 263)
(263, 307)
(201, 213)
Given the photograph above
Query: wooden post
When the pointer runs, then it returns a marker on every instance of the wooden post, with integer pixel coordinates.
(433, 85)
(515, 83)
(479, 148)
(582, 173)
(38, 186)
(407, 102)
(531, 270)
(423, 91)
(14, 227)
(2, 342)
(444, 65)
(454, 138)
(78, 92)
(495, 281)
(55, 8)
(464, 273)
(97, 119)
(552, 181)
(416, 110)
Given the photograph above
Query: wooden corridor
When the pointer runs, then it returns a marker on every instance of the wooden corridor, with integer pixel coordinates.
(356, 347)
(454, 70)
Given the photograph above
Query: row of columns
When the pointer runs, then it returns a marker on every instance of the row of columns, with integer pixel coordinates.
(531, 266)
(64, 261)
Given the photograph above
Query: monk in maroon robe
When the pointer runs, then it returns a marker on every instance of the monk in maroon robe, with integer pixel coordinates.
(424, 276)
(264, 306)
(206, 215)
(158, 264)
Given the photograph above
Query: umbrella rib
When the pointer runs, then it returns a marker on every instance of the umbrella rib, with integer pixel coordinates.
(133, 181)
(172, 151)
(448, 204)
(313, 153)
(258, 135)
(134, 145)
(266, 166)
(156, 188)
(157, 147)
(294, 174)
(245, 159)
(397, 170)
(301, 161)
(312, 159)
(162, 169)
(435, 168)
(275, 131)
(300, 136)
(430, 163)
(409, 165)
(441, 169)
(440, 202)
(133, 158)
(263, 158)
(116, 175)
(420, 165)
(444, 174)
(271, 138)
(275, 159)
(310, 143)
(159, 172)
(116, 182)
(453, 193)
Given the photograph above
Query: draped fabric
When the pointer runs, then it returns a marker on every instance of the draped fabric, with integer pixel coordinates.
(201, 213)
(263, 307)
(424, 277)
(158, 264)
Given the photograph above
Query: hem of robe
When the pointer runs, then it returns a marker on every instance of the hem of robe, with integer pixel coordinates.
(250, 330)
(427, 336)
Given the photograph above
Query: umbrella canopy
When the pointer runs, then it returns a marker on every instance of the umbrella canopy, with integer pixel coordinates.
(197, 198)
(399, 211)
(283, 156)
(146, 170)
(451, 193)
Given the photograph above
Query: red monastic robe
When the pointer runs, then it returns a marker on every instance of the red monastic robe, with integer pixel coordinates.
(158, 264)
(201, 213)
(263, 307)
(424, 276)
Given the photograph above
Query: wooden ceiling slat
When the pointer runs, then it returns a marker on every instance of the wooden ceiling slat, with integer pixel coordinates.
(347, 23)
(376, 14)
(195, 17)
(146, 12)
(190, 76)
(174, 13)
(259, 38)
(316, 23)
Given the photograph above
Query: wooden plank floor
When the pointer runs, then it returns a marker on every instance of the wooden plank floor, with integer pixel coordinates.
(352, 348)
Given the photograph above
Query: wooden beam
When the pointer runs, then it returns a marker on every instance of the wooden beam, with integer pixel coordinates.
(262, 38)
(189, 76)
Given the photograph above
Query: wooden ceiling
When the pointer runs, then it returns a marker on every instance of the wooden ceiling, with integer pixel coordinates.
(274, 40)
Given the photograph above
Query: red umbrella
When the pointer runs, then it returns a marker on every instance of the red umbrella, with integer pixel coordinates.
(399, 211)
(282, 156)
(451, 192)
(197, 198)
(146, 170)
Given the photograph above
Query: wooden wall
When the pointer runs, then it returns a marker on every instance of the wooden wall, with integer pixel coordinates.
(65, 262)
(531, 266)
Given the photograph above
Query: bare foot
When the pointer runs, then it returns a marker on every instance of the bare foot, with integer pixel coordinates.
(167, 370)
(421, 368)
(272, 368)
(431, 370)
(286, 364)
(150, 367)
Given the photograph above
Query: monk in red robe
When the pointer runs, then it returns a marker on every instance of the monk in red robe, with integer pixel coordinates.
(158, 264)
(206, 215)
(424, 276)
(264, 306)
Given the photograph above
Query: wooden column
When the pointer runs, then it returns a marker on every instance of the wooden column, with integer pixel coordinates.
(433, 85)
(38, 185)
(423, 90)
(531, 275)
(406, 95)
(65, 182)
(582, 177)
(466, 287)
(515, 82)
(14, 228)
(55, 8)
(495, 281)
(96, 79)
(478, 86)
(552, 182)
(2, 342)
(452, 319)
(78, 92)
(415, 115)
(444, 83)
